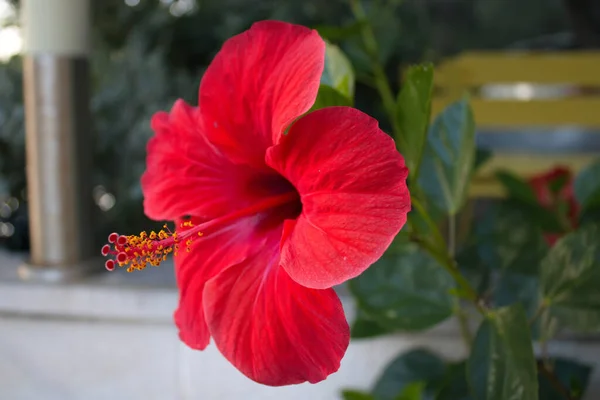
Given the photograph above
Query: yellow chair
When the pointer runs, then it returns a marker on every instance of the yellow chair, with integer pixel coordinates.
(570, 80)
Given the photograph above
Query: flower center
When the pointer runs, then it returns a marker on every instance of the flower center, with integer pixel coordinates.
(137, 251)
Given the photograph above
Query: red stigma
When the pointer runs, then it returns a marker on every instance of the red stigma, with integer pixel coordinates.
(121, 257)
(113, 237)
(109, 265)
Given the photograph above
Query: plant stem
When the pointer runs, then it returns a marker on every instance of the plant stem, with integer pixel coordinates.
(452, 235)
(541, 308)
(437, 235)
(463, 323)
(443, 257)
(463, 319)
(450, 266)
(554, 381)
(381, 81)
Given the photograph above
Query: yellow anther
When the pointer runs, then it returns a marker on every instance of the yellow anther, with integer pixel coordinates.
(151, 248)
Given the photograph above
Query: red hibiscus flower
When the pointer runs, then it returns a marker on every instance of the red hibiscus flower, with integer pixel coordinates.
(274, 219)
(554, 191)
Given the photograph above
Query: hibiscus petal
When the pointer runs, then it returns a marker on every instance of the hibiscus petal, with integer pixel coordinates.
(352, 183)
(187, 175)
(258, 83)
(272, 329)
(207, 257)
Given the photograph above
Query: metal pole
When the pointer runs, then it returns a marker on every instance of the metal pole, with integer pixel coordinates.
(58, 138)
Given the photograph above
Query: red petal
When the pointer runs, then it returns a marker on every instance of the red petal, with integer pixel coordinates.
(187, 175)
(273, 330)
(352, 183)
(258, 83)
(207, 257)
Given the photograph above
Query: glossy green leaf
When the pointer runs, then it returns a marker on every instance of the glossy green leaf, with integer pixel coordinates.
(502, 364)
(407, 290)
(454, 385)
(417, 365)
(587, 187)
(570, 274)
(413, 110)
(473, 268)
(572, 375)
(516, 187)
(506, 240)
(329, 97)
(338, 73)
(365, 327)
(537, 216)
(517, 288)
(449, 157)
(412, 391)
(356, 395)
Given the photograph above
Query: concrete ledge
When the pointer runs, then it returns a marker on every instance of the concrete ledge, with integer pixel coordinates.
(102, 337)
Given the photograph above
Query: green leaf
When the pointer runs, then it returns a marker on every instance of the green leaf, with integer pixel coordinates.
(473, 268)
(516, 187)
(454, 385)
(417, 365)
(587, 187)
(570, 274)
(356, 395)
(576, 319)
(336, 33)
(329, 97)
(573, 376)
(482, 156)
(513, 287)
(521, 196)
(537, 215)
(502, 365)
(338, 73)
(418, 221)
(413, 110)
(506, 240)
(589, 216)
(365, 327)
(407, 290)
(412, 391)
(449, 157)
(517, 288)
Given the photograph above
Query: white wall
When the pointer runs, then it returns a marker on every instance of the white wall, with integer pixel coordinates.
(108, 340)
(74, 360)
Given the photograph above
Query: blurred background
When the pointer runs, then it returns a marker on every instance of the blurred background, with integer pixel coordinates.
(110, 337)
(147, 53)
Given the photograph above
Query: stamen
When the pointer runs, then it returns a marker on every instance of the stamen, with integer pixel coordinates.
(135, 252)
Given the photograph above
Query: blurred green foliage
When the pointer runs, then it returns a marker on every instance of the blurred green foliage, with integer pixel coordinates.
(147, 55)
